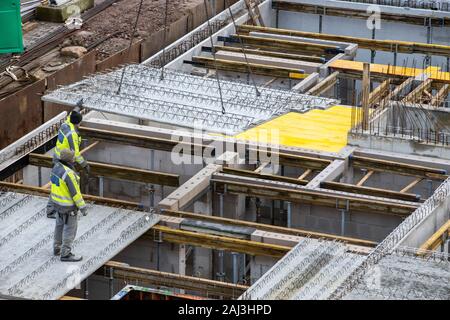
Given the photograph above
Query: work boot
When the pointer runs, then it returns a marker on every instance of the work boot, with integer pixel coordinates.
(56, 251)
(51, 215)
(71, 258)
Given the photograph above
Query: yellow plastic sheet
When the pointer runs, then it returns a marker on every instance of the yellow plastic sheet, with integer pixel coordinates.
(324, 130)
(434, 72)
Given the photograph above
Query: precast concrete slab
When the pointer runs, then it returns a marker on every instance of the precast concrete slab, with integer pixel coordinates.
(311, 270)
(400, 276)
(183, 100)
(28, 268)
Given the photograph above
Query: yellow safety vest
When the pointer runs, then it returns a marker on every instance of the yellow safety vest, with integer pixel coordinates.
(69, 138)
(65, 190)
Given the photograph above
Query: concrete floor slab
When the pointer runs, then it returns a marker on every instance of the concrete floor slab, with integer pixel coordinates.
(28, 268)
(182, 99)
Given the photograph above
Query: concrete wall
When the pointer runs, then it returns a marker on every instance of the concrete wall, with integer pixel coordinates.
(395, 182)
(425, 229)
(399, 145)
(138, 158)
(358, 28)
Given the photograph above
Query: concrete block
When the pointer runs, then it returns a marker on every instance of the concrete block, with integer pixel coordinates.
(307, 83)
(331, 172)
(63, 12)
(275, 238)
(169, 204)
(190, 189)
(171, 222)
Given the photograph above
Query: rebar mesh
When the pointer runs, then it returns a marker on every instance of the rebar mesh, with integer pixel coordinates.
(182, 99)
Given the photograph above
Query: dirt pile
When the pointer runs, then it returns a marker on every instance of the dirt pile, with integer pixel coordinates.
(114, 25)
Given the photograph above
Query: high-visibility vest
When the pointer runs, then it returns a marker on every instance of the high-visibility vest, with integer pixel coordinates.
(69, 138)
(65, 190)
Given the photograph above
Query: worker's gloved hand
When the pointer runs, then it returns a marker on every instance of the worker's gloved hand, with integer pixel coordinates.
(87, 169)
(84, 211)
(79, 105)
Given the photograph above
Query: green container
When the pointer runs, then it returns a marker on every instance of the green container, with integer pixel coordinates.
(10, 27)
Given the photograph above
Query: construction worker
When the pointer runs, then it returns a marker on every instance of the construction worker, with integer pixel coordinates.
(69, 138)
(67, 200)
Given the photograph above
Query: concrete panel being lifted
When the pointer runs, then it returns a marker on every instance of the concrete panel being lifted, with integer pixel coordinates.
(28, 268)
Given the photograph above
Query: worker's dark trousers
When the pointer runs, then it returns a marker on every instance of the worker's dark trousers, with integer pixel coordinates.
(65, 232)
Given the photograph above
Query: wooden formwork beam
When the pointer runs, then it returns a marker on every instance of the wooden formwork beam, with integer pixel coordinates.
(324, 85)
(415, 95)
(272, 177)
(274, 54)
(411, 185)
(442, 94)
(116, 171)
(380, 92)
(267, 227)
(320, 198)
(370, 191)
(354, 13)
(338, 186)
(365, 96)
(118, 270)
(363, 43)
(21, 188)
(289, 46)
(138, 140)
(379, 165)
(210, 241)
(296, 161)
(437, 238)
(305, 174)
(365, 178)
(256, 68)
(161, 144)
(397, 90)
(136, 206)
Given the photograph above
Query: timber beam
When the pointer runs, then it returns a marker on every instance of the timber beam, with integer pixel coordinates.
(267, 227)
(437, 238)
(363, 43)
(116, 171)
(256, 68)
(208, 287)
(403, 86)
(440, 97)
(338, 186)
(379, 165)
(379, 93)
(324, 85)
(210, 241)
(138, 140)
(267, 53)
(21, 188)
(271, 177)
(136, 206)
(286, 159)
(354, 13)
(296, 47)
(312, 197)
(296, 161)
(415, 95)
(376, 192)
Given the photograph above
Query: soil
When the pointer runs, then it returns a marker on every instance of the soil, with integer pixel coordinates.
(118, 20)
